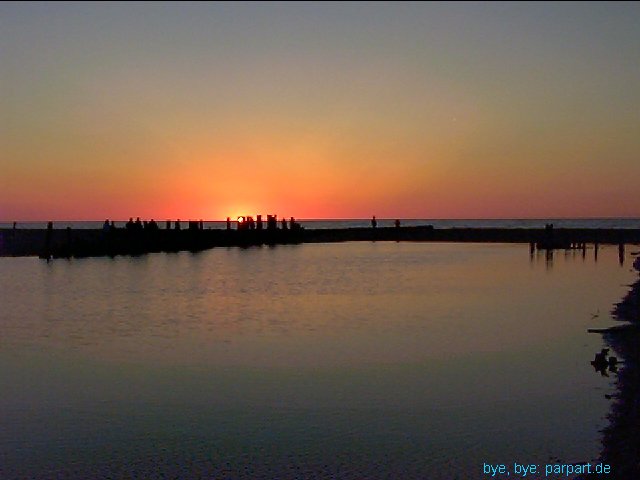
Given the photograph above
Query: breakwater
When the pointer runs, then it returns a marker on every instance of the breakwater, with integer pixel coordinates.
(97, 242)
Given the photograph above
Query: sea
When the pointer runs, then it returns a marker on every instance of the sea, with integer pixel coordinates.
(356, 360)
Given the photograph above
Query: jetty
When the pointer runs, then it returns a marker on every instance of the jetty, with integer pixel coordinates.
(66, 243)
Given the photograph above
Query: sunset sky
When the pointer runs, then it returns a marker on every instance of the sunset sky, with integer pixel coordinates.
(473, 110)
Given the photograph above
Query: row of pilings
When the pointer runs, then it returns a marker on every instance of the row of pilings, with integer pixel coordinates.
(582, 247)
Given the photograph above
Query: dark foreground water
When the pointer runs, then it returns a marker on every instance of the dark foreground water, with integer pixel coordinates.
(355, 360)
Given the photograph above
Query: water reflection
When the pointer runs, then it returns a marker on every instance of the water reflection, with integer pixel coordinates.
(621, 254)
(352, 360)
(571, 253)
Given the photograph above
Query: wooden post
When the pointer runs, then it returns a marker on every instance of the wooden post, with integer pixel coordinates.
(621, 253)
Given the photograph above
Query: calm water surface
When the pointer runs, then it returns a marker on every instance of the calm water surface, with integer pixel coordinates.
(354, 360)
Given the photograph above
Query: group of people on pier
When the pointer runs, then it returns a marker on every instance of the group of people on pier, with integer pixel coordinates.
(243, 223)
(248, 223)
(139, 225)
(151, 225)
(374, 222)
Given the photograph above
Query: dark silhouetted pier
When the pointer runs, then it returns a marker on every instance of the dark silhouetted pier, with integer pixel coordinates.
(52, 243)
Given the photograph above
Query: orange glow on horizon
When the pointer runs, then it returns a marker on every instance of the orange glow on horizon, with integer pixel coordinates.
(299, 123)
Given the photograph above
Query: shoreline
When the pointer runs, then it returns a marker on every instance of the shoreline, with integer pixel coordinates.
(620, 447)
(96, 242)
(620, 439)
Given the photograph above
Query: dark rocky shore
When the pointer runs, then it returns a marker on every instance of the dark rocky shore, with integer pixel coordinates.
(621, 439)
(620, 445)
(85, 242)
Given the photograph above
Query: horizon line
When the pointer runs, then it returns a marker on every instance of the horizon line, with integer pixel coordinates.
(327, 219)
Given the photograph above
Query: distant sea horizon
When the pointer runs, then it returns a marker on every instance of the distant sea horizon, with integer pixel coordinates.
(311, 223)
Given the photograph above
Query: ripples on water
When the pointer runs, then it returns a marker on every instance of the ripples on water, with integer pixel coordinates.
(356, 360)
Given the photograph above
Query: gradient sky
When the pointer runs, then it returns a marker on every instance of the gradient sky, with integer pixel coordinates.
(461, 110)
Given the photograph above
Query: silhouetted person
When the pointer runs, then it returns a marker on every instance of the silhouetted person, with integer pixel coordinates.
(272, 222)
(138, 224)
(129, 225)
(68, 247)
(284, 224)
(259, 222)
(167, 225)
(397, 222)
(201, 225)
(113, 225)
(178, 224)
(228, 223)
(106, 226)
(14, 225)
(374, 223)
(548, 239)
(47, 241)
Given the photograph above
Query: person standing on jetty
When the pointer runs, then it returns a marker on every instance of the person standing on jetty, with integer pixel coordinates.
(47, 242)
(374, 222)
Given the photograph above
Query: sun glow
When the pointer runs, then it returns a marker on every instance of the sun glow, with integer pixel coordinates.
(297, 127)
